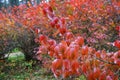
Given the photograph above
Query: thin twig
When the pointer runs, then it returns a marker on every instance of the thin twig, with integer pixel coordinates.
(105, 61)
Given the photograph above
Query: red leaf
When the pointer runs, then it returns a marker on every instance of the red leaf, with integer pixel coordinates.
(51, 53)
(57, 49)
(84, 50)
(117, 28)
(69, 35)
(66, 64)
(84, 68)
(97, 54)
(52, 24)
(68, 42)
(91, 76)
(63, 46)
(42, 37)
(57, 26)
(96, 73)
(55, 20)
(62, 30)
(72, 53)
(44, 12)
(80, 40)
(102, 76)
(117, 44)
(63, 20)
(75, 67)
(118, 62)
(52, 42)
(56, 64)
(50, 9)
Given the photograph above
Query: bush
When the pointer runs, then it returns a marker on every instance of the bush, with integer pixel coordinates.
(94, 20)
(71, 56)
(15, 35)
(85, 29)
(27, 43)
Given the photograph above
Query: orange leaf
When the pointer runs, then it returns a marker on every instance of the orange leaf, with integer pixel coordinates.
(80, 40)
(56, 64)
(75, 67)
(84, 50)
(96, 73)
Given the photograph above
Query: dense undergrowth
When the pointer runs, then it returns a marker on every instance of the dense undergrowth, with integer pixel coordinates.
(70, 38)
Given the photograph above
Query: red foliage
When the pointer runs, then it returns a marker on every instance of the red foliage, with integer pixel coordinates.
(73, 58)
(117, 44)
(70, 54)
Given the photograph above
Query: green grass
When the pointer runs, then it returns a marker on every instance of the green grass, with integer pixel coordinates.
(16, 68)
(23, 71)
(15, 50)
(82, 77)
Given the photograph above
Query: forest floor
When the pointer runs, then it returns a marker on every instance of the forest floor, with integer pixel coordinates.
(16, 68)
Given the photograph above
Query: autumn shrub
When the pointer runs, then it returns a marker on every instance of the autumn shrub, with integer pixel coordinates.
(13, 35)
(75, 37)
(7, 36)
(71, 56)
(27, 44)
(95, 20)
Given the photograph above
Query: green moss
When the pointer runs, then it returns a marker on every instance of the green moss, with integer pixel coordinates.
(18, 56)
